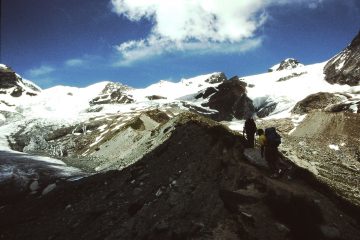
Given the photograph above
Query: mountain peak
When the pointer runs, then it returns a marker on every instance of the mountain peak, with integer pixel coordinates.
(9, 79)
(287, 64)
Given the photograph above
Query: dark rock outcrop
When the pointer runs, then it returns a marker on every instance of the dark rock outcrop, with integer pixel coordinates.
(230, 100)
(216, 78)
(344, 68)
(17, 92)
(8, 78)
(353, 107)
(155, 97)
(317, 101)
(287, 64)
(293, 75)
(113, 93)
(267, 108)
(236, 78)
(206, 93)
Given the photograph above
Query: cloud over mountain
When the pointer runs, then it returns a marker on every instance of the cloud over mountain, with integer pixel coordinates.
(41, 71)
(180, 25)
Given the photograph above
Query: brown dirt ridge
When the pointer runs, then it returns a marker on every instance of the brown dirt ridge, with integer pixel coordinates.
(197, 184)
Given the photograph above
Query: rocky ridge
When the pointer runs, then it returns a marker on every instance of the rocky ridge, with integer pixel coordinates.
(113, 93)
(287, 64)
(12, 84)
(344, 68)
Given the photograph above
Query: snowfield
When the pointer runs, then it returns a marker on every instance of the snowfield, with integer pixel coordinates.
(303, 81)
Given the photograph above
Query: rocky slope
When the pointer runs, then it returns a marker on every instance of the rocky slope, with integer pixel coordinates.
(196, 185)
(11, 83)
(327, 145)
(344, 68)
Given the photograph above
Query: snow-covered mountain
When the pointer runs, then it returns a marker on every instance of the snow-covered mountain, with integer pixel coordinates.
(14, 91)
(271, 94)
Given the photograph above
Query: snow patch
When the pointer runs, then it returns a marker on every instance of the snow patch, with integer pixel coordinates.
(3, 66)
(236, 125)
(334, 147)
(296, 120)
(354, 108)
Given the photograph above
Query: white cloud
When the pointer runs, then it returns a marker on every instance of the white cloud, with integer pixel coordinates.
(75, 62)
(315, 4)
(179, 20)
(84, 61)
(41, 71)
(197, 25)
(134, 51)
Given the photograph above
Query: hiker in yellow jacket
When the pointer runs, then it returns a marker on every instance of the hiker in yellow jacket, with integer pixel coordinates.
(269, 153)
(262, 141)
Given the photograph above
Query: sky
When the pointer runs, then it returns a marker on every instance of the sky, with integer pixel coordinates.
(139, 42)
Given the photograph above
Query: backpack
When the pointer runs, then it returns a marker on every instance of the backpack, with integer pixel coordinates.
(272, 137)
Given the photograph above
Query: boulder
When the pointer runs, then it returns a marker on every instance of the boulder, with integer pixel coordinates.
(17, 92)
(317, 101)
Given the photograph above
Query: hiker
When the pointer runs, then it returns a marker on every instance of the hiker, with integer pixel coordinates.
(262, 141)
(250, 130)
(271, 152)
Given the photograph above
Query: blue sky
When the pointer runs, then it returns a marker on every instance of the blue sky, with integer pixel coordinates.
(139, 42)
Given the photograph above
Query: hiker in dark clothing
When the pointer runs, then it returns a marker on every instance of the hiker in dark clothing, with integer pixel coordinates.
(250, 130)
(271, 152)
(272, 158)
